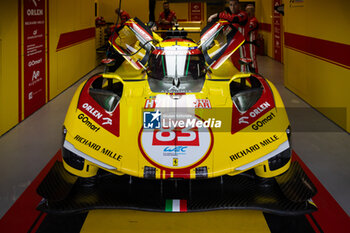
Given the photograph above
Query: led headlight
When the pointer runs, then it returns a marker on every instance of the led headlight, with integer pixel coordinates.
(282, 158)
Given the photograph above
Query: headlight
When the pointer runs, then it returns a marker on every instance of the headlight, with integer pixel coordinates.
(282, 158)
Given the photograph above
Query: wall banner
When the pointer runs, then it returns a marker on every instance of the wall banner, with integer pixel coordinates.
(277, 34)
(196, 11)
(33, 38)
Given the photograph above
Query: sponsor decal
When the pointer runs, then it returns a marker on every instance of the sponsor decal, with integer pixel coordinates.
(35, 62)
(97, 147)
(35, 78)
(269, 140)
(243, 120)
(202, 103)
(175, 162)
(35, 75)
(254, 113)
(111, 154)
(263, 122)
(107, 121)
(87, 122)
(174, 150)
(87, 142)
(253, 148)
(35, 12)
(199, 103)
(92, 110)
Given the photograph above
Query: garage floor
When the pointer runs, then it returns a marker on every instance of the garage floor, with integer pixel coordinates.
(31, 146)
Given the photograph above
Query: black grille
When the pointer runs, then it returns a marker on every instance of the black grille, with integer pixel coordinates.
(149, 172)
(280, 160)
(201, 172)
(72, 159)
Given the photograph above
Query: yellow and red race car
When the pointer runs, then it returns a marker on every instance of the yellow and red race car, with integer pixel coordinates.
(179, 111)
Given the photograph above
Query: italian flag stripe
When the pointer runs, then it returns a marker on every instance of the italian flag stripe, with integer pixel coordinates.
(175, 205)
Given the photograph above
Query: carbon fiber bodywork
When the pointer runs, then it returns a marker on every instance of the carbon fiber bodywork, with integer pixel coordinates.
(243, 191)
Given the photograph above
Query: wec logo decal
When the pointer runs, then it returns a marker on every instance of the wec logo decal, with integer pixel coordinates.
(174, 150)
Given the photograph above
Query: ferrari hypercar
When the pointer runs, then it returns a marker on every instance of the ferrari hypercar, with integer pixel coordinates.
(125, 122)
(179, 111)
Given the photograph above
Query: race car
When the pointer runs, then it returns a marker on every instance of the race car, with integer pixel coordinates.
(115, 120)
(177, 110)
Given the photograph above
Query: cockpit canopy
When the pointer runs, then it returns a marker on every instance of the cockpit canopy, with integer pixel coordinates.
(175, 68)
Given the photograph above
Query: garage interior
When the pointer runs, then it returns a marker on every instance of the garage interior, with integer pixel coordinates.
(309, 64)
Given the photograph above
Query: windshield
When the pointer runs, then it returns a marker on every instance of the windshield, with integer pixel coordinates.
(176, 70)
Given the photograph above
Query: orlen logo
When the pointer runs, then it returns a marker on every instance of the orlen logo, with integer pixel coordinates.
(254, 113)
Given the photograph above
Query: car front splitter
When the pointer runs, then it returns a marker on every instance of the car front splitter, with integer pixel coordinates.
(288, 194)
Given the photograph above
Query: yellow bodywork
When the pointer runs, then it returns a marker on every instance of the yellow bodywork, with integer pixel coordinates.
(126, 156)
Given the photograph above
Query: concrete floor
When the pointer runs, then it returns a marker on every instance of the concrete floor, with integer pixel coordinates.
(28, 147)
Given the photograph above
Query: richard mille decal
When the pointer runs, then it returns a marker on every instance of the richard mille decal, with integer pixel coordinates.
(253, 148)
(98, 147)
(87, 142)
